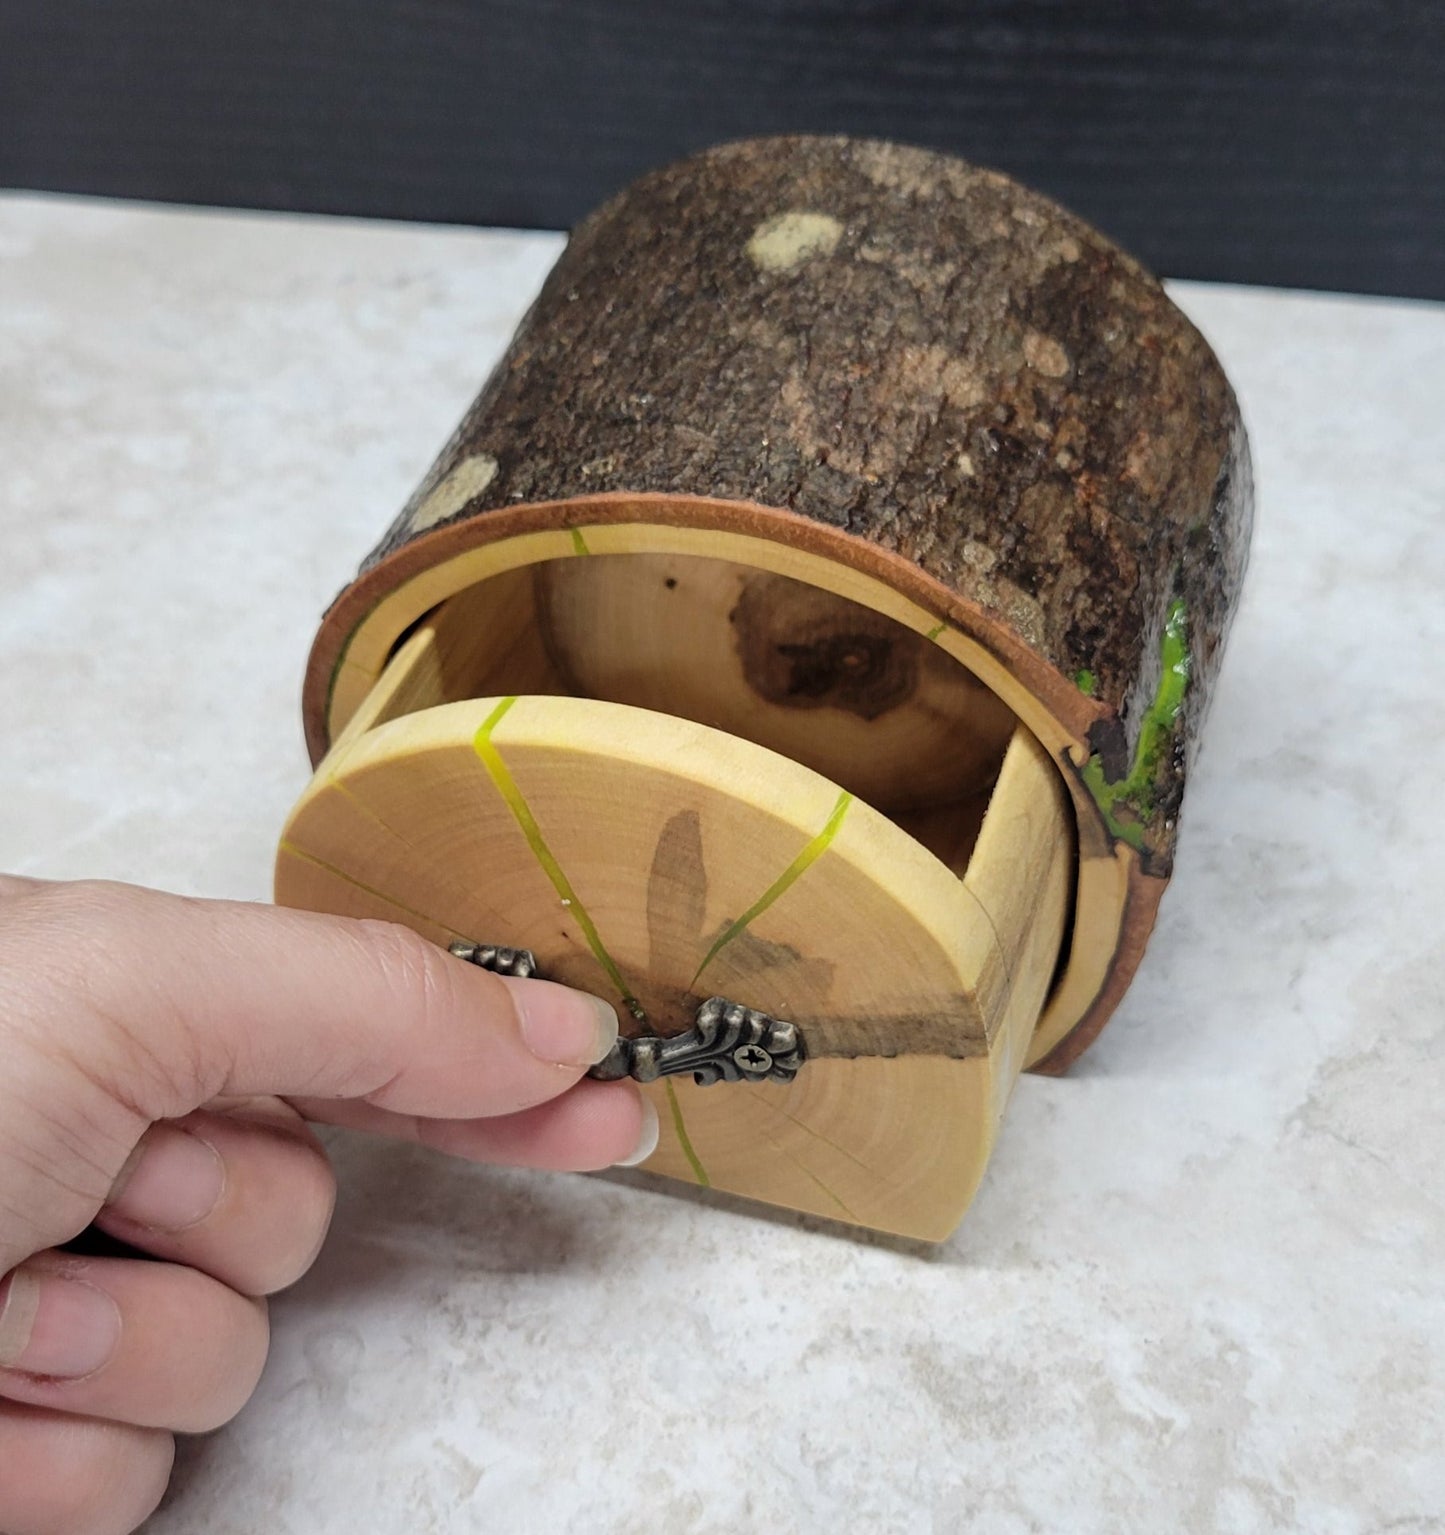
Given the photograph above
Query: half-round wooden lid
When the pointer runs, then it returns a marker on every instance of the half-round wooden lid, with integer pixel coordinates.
(658, 862)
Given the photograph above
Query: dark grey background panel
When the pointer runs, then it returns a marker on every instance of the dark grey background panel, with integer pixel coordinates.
(1299, 142)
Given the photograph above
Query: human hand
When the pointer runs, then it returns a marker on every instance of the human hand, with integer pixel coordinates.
(157, 1055)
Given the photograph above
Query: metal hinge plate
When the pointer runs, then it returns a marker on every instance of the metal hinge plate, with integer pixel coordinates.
(727, 1042)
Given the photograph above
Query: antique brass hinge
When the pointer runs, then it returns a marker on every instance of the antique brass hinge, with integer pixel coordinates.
(726, 1043)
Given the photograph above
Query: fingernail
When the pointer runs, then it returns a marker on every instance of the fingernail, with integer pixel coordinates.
(647, 1138)
(172, 1182)
(564, 1027)
(56, 1325)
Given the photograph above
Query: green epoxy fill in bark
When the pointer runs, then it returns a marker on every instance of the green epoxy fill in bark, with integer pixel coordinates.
(1135, 792)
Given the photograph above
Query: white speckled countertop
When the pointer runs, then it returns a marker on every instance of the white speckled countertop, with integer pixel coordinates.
(1202, 1286)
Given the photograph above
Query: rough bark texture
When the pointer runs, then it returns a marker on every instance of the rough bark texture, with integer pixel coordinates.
(921, 353)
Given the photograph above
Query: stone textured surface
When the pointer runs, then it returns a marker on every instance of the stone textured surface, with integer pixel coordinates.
(1201, 1286)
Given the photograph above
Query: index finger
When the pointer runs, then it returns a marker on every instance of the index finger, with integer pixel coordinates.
(176, 1001)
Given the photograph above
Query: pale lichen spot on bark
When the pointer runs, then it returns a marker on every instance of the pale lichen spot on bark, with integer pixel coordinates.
(1017, 609)
(1148, 463)
(978, 556)
(919, 175)
(799, 411)
(930, 376)
(468, 480)
(921, 270)
(1045, 355)
(1023, 612)
(896, 167)
(788, 239)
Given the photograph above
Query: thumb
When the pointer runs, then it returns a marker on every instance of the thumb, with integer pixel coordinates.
(120, 1006)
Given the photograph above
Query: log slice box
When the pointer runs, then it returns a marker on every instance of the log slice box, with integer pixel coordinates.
(817, 609)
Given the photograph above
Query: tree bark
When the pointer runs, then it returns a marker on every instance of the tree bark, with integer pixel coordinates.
(924, 354)
(921, 354)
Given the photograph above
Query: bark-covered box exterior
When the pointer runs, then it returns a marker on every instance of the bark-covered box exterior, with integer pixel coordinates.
(927, 357)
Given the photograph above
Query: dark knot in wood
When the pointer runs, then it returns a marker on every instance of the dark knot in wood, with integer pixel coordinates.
(804, 648)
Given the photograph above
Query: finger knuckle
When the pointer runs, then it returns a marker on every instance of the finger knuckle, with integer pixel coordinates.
(47, 928)
(128, 1484)
(310, 1202)
(76, 912)
(421, 979)
(80, 1476)
(85, 991)
(230, 1376)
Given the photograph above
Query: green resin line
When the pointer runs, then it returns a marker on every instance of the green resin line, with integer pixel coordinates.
(693, 1160)
(456, 899)
(1136, 790)
(579, 544)
(819, 1136)
(364, 808)
(935, 631)
(808, 1173)
(506, 785)
(794, 872)
(351, 879)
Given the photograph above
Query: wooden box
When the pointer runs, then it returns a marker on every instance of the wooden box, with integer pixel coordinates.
(817, 609)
